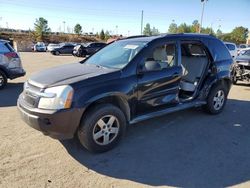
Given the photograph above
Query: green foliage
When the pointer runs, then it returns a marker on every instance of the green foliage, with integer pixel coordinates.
(41, 29)
(173, 28)
(155, 31)
(218, 33)
(147, 30)
(184, 28)
(195, 26)
(237, 36)
(102, 35)
(107, 35)
(208, 30)
(78, 29)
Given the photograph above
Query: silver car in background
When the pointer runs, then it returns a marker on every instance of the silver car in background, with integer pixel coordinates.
(52, 46)
(10, 63)
(232, 48)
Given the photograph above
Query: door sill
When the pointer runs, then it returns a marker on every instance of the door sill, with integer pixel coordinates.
(181, 106)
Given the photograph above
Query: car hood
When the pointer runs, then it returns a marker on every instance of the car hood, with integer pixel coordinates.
(67, 74)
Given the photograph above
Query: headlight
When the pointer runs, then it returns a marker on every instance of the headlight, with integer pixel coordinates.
(55, 98)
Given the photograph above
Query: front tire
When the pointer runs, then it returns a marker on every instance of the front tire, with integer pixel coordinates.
(3, 79)
(217, 99)
(102, 128)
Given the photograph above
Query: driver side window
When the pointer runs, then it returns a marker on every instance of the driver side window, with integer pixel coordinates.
(161, 57)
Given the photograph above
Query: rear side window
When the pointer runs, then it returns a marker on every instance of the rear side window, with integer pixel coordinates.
(4, 48)
(196, 50)
(230, 46)
(218, 50)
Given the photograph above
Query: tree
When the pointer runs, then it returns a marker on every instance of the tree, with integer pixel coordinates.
(173, 28)
(218, 32)
(155, 31)
(147, 30)
(184, 28)
(107, 35)
(41, 28)
(78, 29)
(102, 35)
(195, 26)
(208, 30)
(239, 35)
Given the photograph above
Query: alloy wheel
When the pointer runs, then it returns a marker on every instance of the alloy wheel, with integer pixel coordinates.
(218, 100)
(106, 130)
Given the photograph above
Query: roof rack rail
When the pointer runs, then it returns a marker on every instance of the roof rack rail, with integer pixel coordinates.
(134, 36)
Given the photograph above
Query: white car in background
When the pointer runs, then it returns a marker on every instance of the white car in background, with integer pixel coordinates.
(52, 46)
(232, 49)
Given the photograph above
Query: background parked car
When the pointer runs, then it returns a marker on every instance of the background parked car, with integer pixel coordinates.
(87, 49)
(242, 66)
(39, 47)
(232, 48)
(10, 63)
(64, 48)
(52, 46)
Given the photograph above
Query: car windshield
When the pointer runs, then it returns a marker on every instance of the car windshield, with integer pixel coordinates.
(245, 53)
(116, 55)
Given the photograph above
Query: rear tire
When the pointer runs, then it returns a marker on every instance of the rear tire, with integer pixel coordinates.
(217, 99)
(3, 79)
(102, 128)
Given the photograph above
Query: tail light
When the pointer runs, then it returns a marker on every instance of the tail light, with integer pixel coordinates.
(11, 55)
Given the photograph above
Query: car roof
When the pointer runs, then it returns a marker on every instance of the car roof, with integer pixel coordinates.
(4, 41)
(145, 38)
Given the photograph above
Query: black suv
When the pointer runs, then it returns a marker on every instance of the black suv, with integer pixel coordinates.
(83, 50)
(64, 48)
(128, 81)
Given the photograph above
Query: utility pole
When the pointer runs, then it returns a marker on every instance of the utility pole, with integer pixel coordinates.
(202, 12)
(141, 22)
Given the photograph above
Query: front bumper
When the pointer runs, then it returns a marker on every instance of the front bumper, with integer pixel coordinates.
(56, 124)
(15, 73)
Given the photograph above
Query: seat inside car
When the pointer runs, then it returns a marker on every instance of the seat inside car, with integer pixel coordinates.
(193, 65)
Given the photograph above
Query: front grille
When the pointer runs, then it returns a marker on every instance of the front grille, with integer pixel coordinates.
(29, 95)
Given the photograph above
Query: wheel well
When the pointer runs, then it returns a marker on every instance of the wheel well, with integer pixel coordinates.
(114, 100)
(225, 82)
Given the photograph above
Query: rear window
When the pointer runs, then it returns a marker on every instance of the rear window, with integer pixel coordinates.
(196, 50)
(230, 46)
(5, 48)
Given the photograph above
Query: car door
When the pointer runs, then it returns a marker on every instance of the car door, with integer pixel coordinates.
(91, 48)
(158, 87)
(69, 49)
